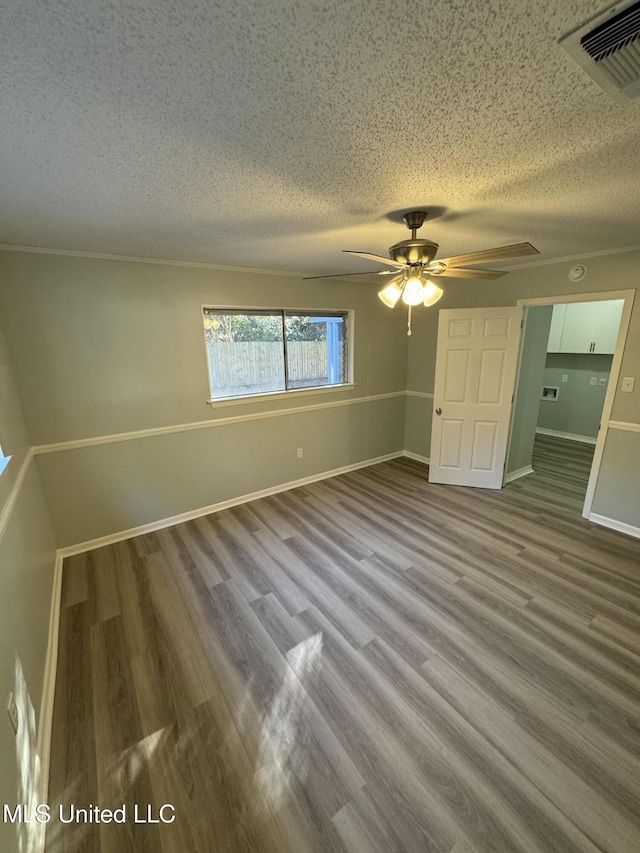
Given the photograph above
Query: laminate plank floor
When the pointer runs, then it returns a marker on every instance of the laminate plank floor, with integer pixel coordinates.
(561, 472)
(367, 664)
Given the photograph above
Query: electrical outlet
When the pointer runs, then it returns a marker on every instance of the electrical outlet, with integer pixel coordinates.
(565, 377)
(602, 381)
(593, 380)
(300, 452)
(12, 711)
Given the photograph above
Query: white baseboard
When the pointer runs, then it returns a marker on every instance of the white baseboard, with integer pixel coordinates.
(520, 472)
(100, 542)
(620, 526)
(570, 436)
(416, 456)
(45, 722)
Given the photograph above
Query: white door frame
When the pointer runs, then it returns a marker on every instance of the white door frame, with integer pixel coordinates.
(605, 420)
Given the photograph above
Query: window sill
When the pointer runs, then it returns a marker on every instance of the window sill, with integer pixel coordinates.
(280, 395)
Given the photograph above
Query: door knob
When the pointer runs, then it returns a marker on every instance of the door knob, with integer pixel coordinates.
(438, 411)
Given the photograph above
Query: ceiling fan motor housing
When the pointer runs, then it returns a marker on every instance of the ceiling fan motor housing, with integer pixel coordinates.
(413, 251)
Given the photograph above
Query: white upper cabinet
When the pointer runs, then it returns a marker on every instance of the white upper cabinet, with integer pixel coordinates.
(590, 327)
(555, 331)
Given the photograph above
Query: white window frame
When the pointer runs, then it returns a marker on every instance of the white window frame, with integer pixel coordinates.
(349, 384)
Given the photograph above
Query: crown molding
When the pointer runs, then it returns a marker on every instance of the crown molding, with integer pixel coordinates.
(571, 258)
(104, 256)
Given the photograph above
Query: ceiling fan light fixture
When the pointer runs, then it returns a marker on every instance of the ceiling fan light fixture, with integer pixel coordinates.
(413, 260)
(412, 293)
(431, 294)
(391, 293)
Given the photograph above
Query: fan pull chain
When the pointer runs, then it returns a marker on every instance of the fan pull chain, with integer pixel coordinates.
(409, 322)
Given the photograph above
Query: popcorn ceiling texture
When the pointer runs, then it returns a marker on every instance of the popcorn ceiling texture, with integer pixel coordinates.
(175, 129)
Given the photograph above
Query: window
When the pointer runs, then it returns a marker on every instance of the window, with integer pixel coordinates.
(4, 460)
(271, 351)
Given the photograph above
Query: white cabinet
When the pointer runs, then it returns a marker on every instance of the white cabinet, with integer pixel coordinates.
(590, 327)
(609, 318)
(555, 330)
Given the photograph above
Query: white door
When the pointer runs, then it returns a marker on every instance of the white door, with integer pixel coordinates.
(476, 363)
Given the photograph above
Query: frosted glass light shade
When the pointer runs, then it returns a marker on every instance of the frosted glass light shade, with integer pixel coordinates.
(430, 294)
(390, 294)
(413, 291)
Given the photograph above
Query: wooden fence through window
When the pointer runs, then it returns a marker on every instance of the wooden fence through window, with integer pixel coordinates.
(258, 366)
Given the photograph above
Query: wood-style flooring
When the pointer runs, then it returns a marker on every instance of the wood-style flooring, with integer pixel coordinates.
(561, 472)
(368, 664)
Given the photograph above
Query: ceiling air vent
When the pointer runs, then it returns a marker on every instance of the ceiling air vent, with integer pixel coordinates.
(608, 48)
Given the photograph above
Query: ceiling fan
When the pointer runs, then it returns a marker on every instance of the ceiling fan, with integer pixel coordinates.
(413, 260)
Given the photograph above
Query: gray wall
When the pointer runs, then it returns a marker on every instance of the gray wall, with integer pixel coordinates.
(578, 409)
(421, 365)
(605, 273)
(27, 557)
(417, 424)
(618, 494)
(532, 365)
(96, 491)
(103, 347)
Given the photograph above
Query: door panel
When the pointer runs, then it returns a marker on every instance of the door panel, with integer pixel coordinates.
(496, 327)
(484, 446)
(459, 328)
(456, 376)
(475, 374)
(451, 445)
(491, 377)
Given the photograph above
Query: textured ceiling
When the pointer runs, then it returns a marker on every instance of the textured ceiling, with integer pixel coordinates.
(273, 134)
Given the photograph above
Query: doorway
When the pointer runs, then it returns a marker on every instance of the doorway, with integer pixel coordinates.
(569, 365)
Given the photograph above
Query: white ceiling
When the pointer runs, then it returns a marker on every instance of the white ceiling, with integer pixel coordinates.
(274, 133)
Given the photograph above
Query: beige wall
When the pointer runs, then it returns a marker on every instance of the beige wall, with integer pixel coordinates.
(103, 347)
(27, 556)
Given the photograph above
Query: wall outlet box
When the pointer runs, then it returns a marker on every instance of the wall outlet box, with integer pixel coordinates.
(12, 711)
(628, 384)
(565, 377)
(593, 380)
(602, 381)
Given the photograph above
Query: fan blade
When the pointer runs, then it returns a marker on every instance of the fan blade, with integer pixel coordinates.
(518, 250)
(468, 272)
(377, 258)
(343, 274)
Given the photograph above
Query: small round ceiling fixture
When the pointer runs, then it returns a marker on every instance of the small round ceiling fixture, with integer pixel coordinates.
(578, 272)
